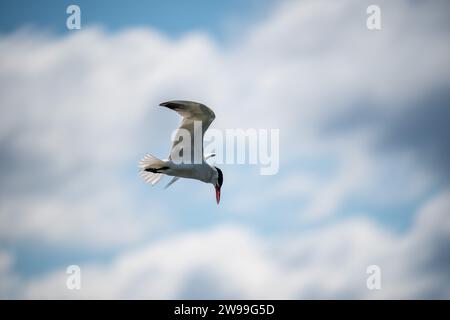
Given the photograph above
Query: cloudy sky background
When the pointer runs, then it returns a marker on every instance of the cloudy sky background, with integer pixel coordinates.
(364, 149)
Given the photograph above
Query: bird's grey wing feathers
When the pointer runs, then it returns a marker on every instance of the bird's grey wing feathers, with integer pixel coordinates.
(191, 112)
(174, 179)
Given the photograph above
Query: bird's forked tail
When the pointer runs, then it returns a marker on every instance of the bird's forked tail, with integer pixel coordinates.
(151, 168)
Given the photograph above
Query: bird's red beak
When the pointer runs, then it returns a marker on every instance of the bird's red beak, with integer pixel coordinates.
(218, 194)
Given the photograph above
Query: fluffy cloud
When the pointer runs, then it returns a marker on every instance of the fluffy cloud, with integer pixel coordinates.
(354, 108)
(231, 262)
(73, 118)
(78, 108)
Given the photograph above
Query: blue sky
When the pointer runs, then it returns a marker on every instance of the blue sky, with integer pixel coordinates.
(363, 119)
(174, 17)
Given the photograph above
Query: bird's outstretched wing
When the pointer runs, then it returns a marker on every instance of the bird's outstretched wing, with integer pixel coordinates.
(191, 112)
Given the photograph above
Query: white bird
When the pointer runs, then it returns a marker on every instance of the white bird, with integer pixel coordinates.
(152, 169)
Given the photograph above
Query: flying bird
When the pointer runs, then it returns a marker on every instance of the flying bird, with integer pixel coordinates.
(152, 169)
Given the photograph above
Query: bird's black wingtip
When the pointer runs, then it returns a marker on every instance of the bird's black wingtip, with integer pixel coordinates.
(170, 104)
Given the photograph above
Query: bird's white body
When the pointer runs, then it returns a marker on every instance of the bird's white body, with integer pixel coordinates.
(203, 172)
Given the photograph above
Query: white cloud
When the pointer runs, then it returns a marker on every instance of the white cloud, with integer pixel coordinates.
(231, 262)
(103, 219)
(77, 114)
(78, 107)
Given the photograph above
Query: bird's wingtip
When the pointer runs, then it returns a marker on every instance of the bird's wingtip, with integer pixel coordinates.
(168, 104)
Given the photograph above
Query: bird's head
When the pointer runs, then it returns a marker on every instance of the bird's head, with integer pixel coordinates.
(218, 181)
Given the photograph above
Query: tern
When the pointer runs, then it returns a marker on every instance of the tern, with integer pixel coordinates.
(152, 169)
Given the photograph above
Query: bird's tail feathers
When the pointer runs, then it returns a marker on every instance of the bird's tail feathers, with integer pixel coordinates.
(151, 162)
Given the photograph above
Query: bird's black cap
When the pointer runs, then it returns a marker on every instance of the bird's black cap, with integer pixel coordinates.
(220, 178)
